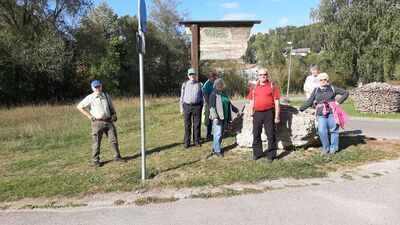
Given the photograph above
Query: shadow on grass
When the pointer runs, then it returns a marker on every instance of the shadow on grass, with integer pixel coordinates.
(352, 138)
(149, 152)
(229, 147)
(155, 173)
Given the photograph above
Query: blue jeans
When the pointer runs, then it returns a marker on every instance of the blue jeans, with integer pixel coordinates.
(325, 124)
(219, 130)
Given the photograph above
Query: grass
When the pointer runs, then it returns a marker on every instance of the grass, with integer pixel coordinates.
(119, 202)
(45, 151)
(153, 200)
(53, 205)
(348, 106)
(227, 192)
(347, 176)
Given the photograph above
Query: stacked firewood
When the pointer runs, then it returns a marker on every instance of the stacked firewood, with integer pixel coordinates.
(377, 98)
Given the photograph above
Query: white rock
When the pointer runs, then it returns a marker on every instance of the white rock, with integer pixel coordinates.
(295, 129)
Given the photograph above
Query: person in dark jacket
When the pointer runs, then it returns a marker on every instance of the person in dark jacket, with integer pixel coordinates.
(220, 114)
(323, 97)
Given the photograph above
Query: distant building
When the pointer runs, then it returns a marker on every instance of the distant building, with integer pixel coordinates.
(301, 51)
(249, 71)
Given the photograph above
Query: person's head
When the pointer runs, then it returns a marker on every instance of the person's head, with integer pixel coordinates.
(213, 76)
(191, 73)
(323, 79)
(263, 75)
(314, 70)
(97, 87)
(219, 84)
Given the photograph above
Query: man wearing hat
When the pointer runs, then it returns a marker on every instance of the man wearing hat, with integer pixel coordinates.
(99, 109)
(191, 104)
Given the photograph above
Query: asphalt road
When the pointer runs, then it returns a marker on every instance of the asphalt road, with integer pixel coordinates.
(364, 201)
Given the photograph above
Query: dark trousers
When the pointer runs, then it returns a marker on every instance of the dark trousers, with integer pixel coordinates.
(108, 128)
(192, 112)
(266, 118)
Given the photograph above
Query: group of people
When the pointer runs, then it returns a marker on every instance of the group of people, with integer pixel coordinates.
(211, 97)
(264, 98)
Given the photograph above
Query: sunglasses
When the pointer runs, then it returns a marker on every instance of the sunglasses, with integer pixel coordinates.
(192, 74)
(262, 74)
(322, 79)
(98, 86)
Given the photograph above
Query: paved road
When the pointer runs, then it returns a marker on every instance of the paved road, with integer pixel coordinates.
(361, 201)
(374, 128)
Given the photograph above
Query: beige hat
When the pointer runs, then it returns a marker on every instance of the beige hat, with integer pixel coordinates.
(322, 76)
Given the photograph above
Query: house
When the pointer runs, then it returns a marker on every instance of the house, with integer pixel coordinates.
(249, 71)
(301, 51)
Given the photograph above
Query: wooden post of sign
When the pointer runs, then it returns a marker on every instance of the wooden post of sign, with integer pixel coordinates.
(195, 49)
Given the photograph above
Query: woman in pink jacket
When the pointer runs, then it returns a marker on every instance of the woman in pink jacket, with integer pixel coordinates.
(329, 115)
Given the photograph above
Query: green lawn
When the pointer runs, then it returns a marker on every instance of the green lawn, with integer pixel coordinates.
(46, 151)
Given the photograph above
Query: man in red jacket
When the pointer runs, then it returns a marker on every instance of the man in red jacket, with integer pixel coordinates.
(264, 97)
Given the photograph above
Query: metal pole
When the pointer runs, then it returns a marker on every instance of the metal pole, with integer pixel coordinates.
(290, 65)
(142, 118)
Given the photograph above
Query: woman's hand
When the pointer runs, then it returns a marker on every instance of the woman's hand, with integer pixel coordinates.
(216, 120)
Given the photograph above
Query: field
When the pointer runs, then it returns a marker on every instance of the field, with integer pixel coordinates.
(45, 151)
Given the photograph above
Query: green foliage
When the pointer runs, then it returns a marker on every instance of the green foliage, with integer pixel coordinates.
(362, 38)
(45, 53)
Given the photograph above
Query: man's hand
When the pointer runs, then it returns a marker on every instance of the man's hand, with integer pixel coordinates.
(181, 113)
(277, 119)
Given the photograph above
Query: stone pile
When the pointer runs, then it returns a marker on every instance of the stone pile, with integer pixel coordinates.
(296, 129)
(377, 98)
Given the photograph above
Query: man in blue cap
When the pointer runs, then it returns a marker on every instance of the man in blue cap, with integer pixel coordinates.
(191, 104)
(99, 109)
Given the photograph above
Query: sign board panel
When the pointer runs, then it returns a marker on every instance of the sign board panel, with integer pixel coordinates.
(223, 43)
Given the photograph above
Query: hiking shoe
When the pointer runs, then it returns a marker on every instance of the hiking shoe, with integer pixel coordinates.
(119, 160)
(197, 144)
(96, 164)
(269, 160)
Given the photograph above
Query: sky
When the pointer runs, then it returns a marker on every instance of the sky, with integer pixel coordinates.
(272, 13)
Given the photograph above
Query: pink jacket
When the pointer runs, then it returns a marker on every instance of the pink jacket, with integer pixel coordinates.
(339, 114)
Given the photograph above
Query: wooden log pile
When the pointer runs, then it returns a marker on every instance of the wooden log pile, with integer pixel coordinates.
(377, 98)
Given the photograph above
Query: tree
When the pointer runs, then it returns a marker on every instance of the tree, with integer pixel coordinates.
(362, 37)
(35, 47)
(98, 44)
(174, 55)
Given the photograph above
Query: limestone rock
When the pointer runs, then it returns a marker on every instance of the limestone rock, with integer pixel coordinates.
(295, 129)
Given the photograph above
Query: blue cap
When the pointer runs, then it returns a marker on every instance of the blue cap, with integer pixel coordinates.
(95, 83)
(191, 71)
